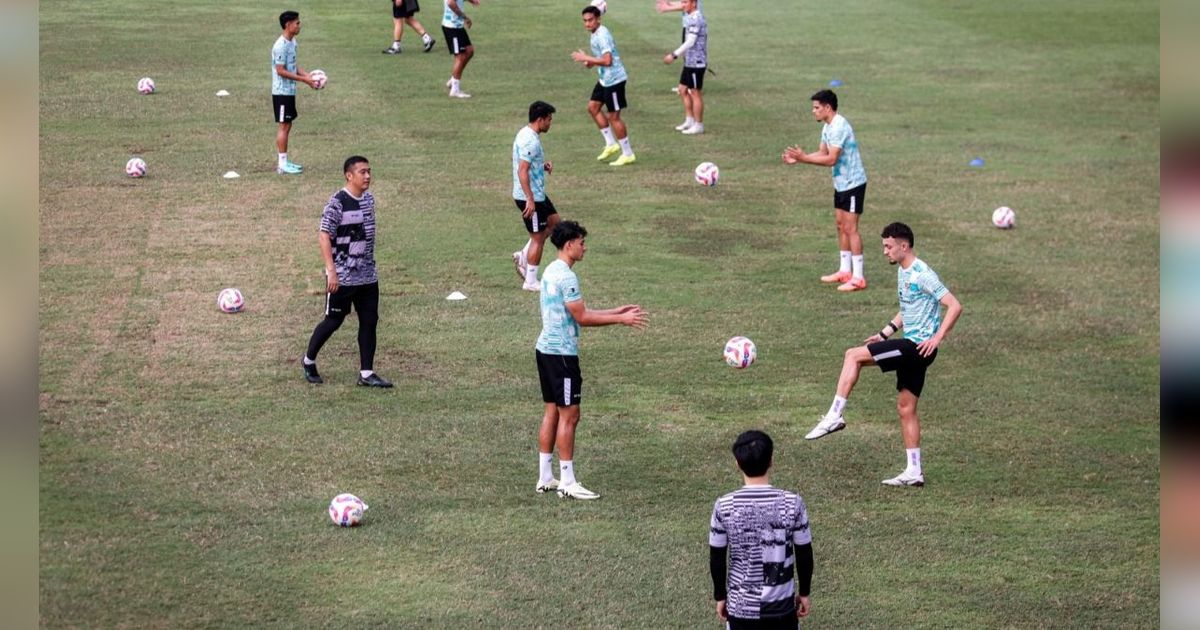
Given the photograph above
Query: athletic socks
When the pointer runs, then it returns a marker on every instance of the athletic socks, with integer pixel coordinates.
(914, 461)
(844, 265)
(857, 265)
(308, 361)
(545, 467)
(625, 150)
(838, 405)
(282, 160)
(365, 373)
(396, 44)
(566, 473)
(609, 138)
(424, 38)
(531, 274)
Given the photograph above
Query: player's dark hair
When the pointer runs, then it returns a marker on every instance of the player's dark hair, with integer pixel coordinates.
(593, 10)
(540, 109)
(287, 16)
(565, 232)
(753, 450)
(899, 231)
(351, 161)
(826, 97)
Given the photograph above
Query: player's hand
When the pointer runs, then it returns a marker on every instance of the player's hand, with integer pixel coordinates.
(579, 56)
(662, 6)
(802, 606)
(876, 338)
(467, 20)
(927, 347)
(312, 83)
(530, 206)
(549, 167)
(331, 281)
(635, 316)
(669, 58)
(721, 611)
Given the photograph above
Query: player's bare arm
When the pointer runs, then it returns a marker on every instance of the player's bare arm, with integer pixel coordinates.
(631, 315)
(953, 310)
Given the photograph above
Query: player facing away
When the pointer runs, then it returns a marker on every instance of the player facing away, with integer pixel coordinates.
(839, 149)
(530, 168)
(695, 61)
(347, 241)
(609, 91)
(284, 75)
(406, 11)
(454, 28)
(922, 295)
(760, 546)
(557, 355)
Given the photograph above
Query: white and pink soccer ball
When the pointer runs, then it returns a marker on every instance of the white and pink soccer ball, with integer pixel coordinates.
(146, 85)
(319, 77)
(230, 300)
(600, 4)
(740, 352)
(135, 167)
(1004, 217)
(346, 510)
(707, 174)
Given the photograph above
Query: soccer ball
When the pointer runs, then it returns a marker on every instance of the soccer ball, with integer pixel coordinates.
(230, 300)
(600, 4)
(1004, 217)
(740, 352)
(135, 167)
(346, 510)
(707, 174)
(319, 77)
(146, 85)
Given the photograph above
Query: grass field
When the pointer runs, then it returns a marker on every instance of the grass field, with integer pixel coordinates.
(185, 465)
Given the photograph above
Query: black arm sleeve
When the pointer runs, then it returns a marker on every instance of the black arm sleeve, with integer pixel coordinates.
(719, 568)
(804, 569)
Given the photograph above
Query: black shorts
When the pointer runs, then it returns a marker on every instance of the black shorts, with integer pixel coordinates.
(284, 107)
(456, 39)
(786, 622)
(612, 97)
(692, 78)
(405, 8)
(364, 298)
(851, 200)
(562, 382)
(541, 214)
(901, 355)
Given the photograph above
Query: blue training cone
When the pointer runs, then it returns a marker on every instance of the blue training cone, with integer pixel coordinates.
(977, 162)
(835, 83)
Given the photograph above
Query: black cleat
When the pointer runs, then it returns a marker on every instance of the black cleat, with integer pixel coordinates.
(391, 50)
(311, 374)
(429, 44)
(374, 380)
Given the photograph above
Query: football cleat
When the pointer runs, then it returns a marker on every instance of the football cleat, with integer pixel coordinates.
(684, 125)
(546, 486)
(623, 160)
(374, 380)
(519, 262)
(392, 50)
(429, 44)
(905, 479)
(289, 169)
(311, 374)
(608, 152)
(694, 130)
(828, 424)
(837, 277)
(853, 284)
(576, 491)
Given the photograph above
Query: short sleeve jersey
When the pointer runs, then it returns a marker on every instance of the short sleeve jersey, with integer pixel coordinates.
(527, 147)
(602, 42)
(560, 331)
(921, 292)
(761, 526)
(450, 19)
(848, 171)
(350, 224)
(283, 53)
(695, 24)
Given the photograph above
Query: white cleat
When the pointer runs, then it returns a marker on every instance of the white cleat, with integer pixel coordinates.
(519, 262)
(827, 425)
(906, 479)
(532, 288)
(546, 486)
(459, 94)
(449, 82)
(576, 491)
(684, 125)
(694, 130)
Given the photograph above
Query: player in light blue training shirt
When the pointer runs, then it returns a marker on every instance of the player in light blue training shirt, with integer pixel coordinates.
(839, 149)
(284, 75)
(609, 91)
(922, 295)
(557, 355)
(454, 28)
(530, 168)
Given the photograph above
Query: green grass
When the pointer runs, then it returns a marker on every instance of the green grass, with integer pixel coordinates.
(185, 465)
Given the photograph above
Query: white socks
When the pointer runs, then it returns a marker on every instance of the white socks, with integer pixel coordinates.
(454, 83)
(424, 38)
(365, 373)
(308, 361)
(914, 461)
(531, 274)
(857, 265)
(566, 473)
(844, 265)
(688, 121)
(282, 160)
(545, 467)
(625, 150)
(609, 138)
(836, 408)
(396, 44)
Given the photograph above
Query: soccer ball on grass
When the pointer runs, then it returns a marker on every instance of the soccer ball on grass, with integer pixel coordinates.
(740, 352)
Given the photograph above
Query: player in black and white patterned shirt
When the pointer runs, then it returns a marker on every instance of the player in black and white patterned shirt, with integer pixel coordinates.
(347, 240)
(694, 51)
(764, 531)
